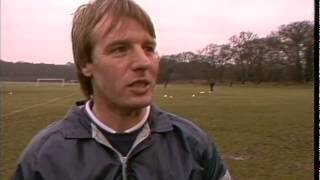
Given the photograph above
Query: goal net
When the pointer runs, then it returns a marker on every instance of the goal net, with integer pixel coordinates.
(51, 80)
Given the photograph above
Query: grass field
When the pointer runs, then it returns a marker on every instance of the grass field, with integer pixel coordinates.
(264, 132)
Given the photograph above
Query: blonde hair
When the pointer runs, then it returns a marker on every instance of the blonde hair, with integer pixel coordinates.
(86, 18)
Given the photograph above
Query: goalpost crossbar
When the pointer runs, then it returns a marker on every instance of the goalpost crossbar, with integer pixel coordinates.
(50, 79)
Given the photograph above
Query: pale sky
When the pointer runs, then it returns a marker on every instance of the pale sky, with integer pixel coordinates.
(39, 30)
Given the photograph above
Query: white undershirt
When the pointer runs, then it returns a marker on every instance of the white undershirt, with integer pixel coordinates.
(109, 129)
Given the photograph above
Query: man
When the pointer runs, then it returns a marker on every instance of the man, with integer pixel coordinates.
(211, 85)
(118, 133)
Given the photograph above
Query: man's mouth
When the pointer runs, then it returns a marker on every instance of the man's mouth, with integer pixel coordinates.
(140, 86)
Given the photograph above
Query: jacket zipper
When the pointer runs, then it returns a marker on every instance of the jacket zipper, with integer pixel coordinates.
(123, 160)
(98, 136)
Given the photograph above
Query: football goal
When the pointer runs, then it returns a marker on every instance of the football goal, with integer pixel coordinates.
(71, 82)
(50, 80)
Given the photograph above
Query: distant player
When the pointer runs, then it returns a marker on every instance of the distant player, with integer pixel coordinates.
(212, 83)
(118, 134)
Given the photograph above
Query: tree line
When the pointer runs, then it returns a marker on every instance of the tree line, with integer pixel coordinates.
(285, 55)
(23, 71)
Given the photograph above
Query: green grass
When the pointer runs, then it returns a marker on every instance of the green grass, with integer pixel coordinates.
(269, 127)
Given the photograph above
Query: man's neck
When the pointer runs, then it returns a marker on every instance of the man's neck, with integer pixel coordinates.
(119, 119)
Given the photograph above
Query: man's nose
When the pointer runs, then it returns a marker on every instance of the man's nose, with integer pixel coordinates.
(141, 59)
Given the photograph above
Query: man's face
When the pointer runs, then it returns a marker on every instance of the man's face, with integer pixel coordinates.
(124, 66)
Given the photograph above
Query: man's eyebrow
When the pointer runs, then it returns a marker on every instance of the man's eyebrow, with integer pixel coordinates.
(117, 42)
(151, 42)
(126, 42)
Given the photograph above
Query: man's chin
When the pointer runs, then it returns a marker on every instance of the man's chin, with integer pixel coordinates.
(139, 103)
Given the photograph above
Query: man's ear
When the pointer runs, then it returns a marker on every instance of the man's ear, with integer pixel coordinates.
(87, 70)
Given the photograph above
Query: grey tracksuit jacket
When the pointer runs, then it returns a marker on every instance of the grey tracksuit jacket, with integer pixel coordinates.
(167, 148)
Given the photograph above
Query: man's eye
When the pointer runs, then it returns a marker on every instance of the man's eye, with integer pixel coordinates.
(150, 49)
(119, 49)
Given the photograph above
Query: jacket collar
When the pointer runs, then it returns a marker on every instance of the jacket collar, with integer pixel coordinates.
(78, 123)
(159, 120)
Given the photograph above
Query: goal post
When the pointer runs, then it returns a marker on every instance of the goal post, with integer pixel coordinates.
(71, 82)
(50, 80)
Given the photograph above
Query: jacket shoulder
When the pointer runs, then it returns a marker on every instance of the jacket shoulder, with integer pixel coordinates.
(41, 138)
(54, 131)
(201, 145)
(187, 127)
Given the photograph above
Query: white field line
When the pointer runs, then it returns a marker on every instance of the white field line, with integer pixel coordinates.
(36, 105)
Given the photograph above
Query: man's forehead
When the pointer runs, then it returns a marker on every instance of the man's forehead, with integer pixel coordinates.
(116, 25)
